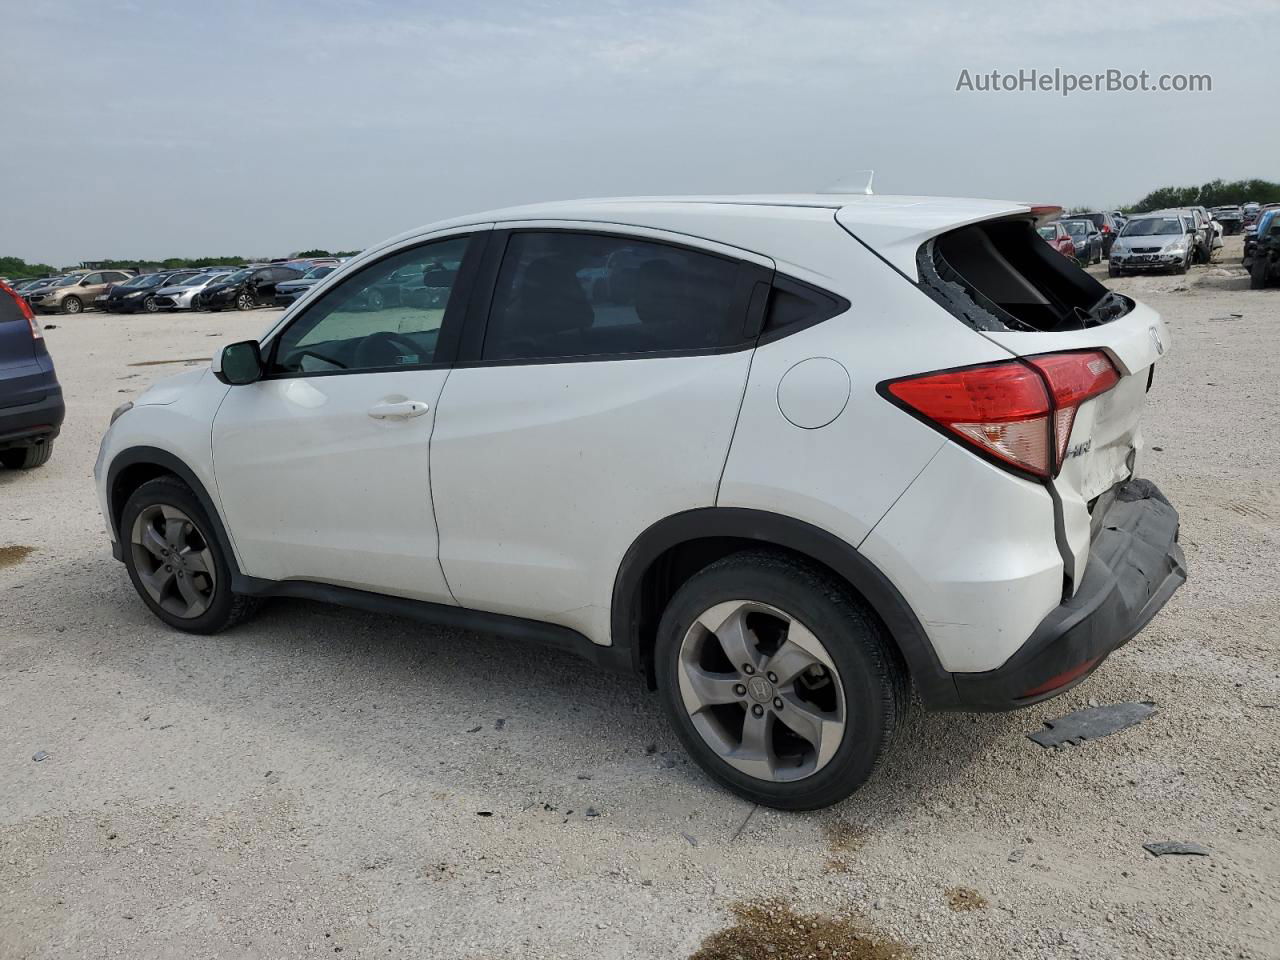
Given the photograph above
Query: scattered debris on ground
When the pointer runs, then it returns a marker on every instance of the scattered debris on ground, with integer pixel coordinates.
(1165, 848)
(40, 755)
(160, 363)
(1092, 723)
(961, 899)
(770, 930)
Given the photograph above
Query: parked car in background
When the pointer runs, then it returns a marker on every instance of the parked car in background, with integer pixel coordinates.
(31, 406)
(1264, 265)
(139, 293)
(77, 292)
(39, 287)
(288, 291)
(1154, 242)
(245, 289)
(1087, 239)
(1251, 211)
(1056, 235)
(179, 296)
(21, 286)
(1106, 224)
(1231, 218)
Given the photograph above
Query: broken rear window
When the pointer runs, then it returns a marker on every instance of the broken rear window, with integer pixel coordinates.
(999, 276)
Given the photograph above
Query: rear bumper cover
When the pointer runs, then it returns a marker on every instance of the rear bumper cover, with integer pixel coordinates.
(32, 422)
(1135, 565)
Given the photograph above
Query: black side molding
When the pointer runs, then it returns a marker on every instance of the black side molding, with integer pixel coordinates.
(936, 686)
(440, 614)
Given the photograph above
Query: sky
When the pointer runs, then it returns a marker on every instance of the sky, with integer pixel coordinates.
(150, 130)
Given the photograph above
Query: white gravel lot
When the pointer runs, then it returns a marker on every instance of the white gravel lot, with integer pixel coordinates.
(314, 781)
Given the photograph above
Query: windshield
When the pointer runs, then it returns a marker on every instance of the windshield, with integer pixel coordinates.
(1076, 228)
(1047, 232)
(315, 273)
(1152, 227)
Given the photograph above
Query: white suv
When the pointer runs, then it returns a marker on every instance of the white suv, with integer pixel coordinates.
(783, 457)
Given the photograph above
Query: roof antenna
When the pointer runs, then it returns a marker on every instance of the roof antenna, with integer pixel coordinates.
(852, 183)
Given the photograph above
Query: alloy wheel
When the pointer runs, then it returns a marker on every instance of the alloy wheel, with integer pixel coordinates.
(173, 560)
(762, 691)
(243, 302)
(150, 305)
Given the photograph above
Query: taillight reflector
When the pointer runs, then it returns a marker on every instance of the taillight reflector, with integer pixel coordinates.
(1020, 412)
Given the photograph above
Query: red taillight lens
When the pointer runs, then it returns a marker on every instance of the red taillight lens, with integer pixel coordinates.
(1073, 378)
(25, 308)
(1011, 410)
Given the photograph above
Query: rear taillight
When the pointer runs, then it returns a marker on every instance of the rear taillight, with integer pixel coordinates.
(25, 308)
(1017, 412)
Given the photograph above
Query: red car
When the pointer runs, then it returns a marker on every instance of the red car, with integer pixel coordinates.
(1055, 234)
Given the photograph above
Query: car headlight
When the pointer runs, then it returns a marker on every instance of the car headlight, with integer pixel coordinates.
(120, 411)
(136, 293)
(1175, 248)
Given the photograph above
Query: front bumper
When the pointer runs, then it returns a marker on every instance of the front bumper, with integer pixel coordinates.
(1146, 261)
(1135, 565)
(32, 422)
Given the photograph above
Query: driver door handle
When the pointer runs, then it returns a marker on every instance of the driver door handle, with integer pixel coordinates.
(404, 410)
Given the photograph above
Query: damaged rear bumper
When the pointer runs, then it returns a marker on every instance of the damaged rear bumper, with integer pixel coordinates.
(1135, 565)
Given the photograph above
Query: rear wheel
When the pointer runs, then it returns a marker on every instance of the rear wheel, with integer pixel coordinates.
(174, 560)
(779, 682)
(27, 458)
(72, 305)
(1258, 273)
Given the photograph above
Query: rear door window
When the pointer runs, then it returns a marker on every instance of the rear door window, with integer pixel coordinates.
(568, 294)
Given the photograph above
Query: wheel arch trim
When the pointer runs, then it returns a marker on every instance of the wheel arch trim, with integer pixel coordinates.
(169, 463)
(935, 685)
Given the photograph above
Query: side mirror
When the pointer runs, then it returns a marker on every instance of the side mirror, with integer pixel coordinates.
(238, 364)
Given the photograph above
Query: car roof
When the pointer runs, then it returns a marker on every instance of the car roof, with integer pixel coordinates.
(772, 225)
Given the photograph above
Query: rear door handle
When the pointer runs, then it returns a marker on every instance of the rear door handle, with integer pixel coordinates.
(404, 410)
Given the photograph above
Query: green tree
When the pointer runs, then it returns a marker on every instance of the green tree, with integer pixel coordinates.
(15, 268)
(1215, 193)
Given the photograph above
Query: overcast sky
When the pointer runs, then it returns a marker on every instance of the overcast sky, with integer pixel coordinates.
(185, 129)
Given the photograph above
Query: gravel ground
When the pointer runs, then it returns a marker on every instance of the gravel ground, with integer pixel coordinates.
(321, 781)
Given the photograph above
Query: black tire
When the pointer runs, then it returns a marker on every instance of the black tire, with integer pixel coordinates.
(72, 305)
(244, 300)
(226, 608)
(1258, 273)
(1184, 265)
(1112, 269)
(875, 684)
(27, 458)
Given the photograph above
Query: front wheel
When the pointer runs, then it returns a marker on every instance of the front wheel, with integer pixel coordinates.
(244, 301)
(72, 305)
(175, 562)
(778, 680)
(1112, 269)
(150, 305)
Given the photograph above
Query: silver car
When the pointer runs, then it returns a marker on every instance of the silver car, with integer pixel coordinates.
(1155, 241)
(179, 295)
